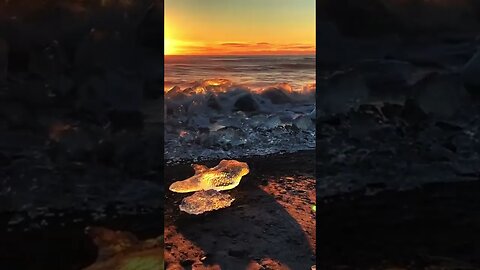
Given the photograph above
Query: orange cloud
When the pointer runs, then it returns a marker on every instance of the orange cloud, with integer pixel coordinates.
(242, 48)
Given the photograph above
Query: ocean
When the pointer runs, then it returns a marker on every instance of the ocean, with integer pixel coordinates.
(238, 106)
(256, 72)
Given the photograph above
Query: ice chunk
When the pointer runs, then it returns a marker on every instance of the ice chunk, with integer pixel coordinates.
(272, 122)
(226, 175)
(313, 114)
(122, 250)
(205, 201)
(228, 137)
(304, 123)
(198, 121)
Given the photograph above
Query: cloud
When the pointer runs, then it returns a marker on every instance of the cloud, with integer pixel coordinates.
(298, 46)
(235, 44)
(243, 48)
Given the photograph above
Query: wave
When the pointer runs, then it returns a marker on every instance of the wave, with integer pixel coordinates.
(226, 96)
(217, 118)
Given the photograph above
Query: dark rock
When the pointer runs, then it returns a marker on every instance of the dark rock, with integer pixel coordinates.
(342, 92)
(124, 90)
(49, 61)
(439, 153)
(91, 94)
(385, 134)
(3, 59)
(116, 91)
(361, 124)
(467, 167)
(108, 50)
(198, 121)
(212, 102)
(448, 126)
(4, 160)
(18, 60)
(30, 90)
(412, 112)
(64, 90)
(141, 193)
(386, 79)
(17, 115)
(276, 95)
(246, 103)
(441, 95)
(105, 152)
(391, 111)
(470, 74)
(138, 154)
(371, 110)
(238, 252)
(77, 146)
(463, 143)
(125, 120)
(153, 89)
(149, 32)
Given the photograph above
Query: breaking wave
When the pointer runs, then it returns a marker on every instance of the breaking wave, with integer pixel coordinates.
(218, 118)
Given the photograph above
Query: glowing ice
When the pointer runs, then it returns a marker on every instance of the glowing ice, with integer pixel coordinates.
(226, 175)
(205, 201)
(123, 251)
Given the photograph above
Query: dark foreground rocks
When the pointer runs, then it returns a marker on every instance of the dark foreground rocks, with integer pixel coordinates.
(398, 163)
(397, 124)
(433, 227)
(73, 132)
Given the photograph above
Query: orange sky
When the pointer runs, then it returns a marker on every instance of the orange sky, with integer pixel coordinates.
(239, 27)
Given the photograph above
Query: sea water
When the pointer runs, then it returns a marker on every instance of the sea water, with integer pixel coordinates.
(237, 106)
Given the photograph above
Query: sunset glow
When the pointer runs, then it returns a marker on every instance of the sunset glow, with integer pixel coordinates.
(239, 27)
(169, 46)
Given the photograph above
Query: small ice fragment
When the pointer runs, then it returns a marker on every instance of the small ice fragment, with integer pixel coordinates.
(122, 250)
(304, 123)
(205, 201)
(313, 114)
(228, 137)
(215, 127)
(272, 122)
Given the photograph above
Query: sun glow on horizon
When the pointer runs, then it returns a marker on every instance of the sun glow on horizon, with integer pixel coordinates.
(169, 46)
(240, 27)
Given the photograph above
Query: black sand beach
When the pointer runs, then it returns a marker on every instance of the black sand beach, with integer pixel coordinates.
(270, 225)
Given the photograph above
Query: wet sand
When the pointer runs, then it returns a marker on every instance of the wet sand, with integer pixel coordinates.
(434, 227)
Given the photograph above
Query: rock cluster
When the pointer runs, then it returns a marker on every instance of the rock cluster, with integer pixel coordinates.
(425, 129)
(73, 131)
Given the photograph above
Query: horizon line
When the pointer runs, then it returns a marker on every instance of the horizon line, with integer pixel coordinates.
(209, 55)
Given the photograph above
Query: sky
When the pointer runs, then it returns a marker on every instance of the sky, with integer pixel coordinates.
(239, 27)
